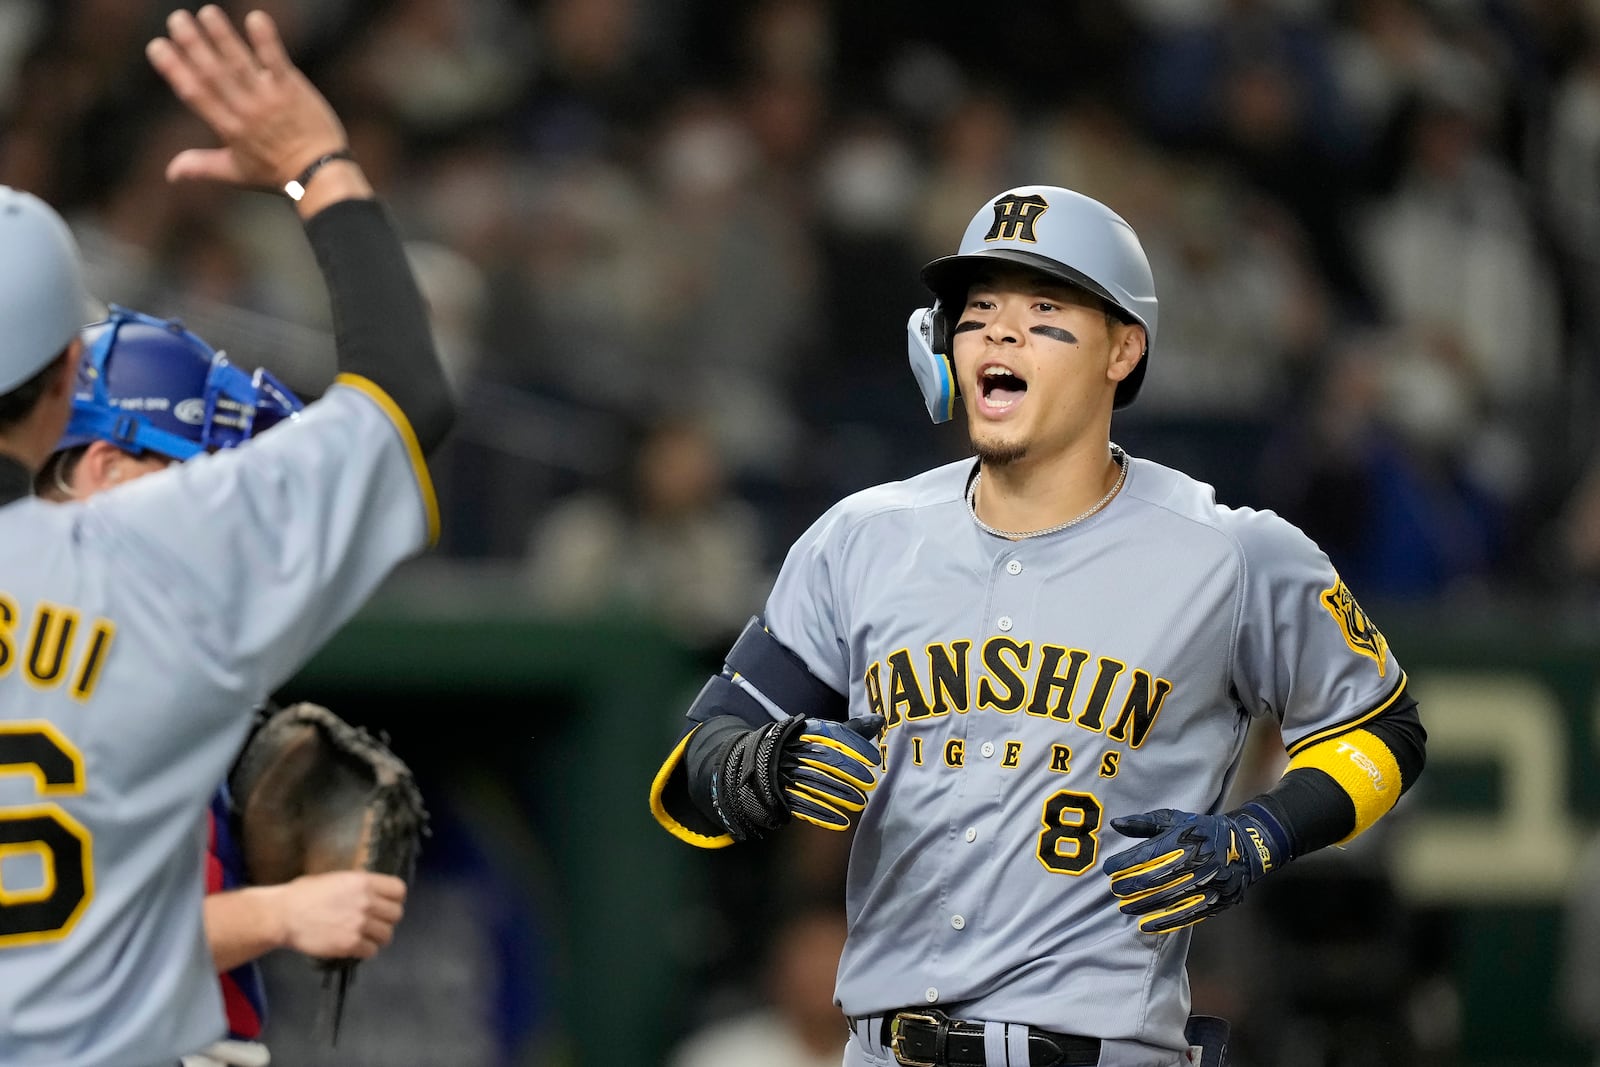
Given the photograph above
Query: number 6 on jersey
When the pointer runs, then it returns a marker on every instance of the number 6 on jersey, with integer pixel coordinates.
(49, 907)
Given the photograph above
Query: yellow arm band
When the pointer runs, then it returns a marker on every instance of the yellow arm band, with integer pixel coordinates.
(668, 792)
(1363, 767)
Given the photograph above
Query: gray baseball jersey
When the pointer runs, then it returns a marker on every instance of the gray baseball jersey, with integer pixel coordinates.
(1034, 690)
(137, 631)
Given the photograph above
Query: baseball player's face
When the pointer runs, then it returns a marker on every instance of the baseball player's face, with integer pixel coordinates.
(1038, 364)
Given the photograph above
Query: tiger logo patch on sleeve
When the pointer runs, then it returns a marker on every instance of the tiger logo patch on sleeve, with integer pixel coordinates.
(1359, 633)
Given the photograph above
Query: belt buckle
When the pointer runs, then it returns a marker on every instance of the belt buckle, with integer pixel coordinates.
(895, 1036)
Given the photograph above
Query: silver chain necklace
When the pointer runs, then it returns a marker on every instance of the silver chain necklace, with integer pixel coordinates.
(972, 503)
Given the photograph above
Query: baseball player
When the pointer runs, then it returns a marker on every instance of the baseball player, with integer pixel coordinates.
(140, 628)
(1056, 649)
(151, 393)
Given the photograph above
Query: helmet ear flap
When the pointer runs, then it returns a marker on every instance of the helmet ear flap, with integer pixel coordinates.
(943, 330)
(928, 347)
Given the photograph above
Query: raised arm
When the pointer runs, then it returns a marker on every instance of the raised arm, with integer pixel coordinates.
(279, 133)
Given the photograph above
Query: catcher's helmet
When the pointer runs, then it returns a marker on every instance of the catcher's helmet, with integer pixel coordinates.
(149, 384)
(1056, 231)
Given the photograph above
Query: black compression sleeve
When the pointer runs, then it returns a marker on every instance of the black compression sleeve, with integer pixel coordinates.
(1311, 808)
(1315, 810)
(703, 759)
(380, 324)
(1400, 729)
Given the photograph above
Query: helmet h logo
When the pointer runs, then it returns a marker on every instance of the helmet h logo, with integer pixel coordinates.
(1014, 218)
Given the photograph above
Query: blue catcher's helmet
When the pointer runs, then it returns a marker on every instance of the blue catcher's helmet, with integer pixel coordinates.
(148, 384)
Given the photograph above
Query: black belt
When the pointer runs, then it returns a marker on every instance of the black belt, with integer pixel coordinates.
(930, 1038)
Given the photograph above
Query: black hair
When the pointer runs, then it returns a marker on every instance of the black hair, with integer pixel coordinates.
(19, 403)
(985, 272)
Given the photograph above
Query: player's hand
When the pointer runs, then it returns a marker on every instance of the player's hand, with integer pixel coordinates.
(810, 769)
(341, 914)
(271, 120)
(1192, 866)
(829, 768)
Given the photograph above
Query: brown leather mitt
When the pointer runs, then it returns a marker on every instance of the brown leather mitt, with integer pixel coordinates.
(312, 793)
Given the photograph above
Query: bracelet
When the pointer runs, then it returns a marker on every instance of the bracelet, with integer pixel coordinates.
(295, 188)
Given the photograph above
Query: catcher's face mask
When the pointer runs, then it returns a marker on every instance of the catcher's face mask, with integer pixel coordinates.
(150, 384)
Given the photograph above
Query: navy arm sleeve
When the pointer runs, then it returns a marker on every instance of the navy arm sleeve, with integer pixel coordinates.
(381, 326)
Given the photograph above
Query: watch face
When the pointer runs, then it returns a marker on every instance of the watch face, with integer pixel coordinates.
(294, 189)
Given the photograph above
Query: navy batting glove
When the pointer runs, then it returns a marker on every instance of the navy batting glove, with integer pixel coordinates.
(1192, 866)
(812, 769)
(828, 768)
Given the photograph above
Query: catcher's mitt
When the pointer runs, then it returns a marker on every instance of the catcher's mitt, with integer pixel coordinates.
(312, 793)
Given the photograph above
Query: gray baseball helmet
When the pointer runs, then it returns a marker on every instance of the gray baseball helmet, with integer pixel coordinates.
(1061, 233)
(43, 301)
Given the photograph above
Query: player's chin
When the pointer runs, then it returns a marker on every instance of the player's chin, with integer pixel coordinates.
(998, 450)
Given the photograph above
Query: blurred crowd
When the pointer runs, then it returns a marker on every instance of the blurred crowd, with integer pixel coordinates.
(680, 241)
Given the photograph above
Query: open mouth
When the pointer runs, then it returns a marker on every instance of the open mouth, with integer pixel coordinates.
(1001, 386)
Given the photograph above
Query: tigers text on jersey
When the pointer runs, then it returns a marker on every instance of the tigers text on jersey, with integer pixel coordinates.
(138, 630)
(1035, 690)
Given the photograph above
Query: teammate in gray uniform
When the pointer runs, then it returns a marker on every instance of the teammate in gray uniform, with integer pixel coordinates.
(150, 394)
(1064, 646)
(139, 629)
